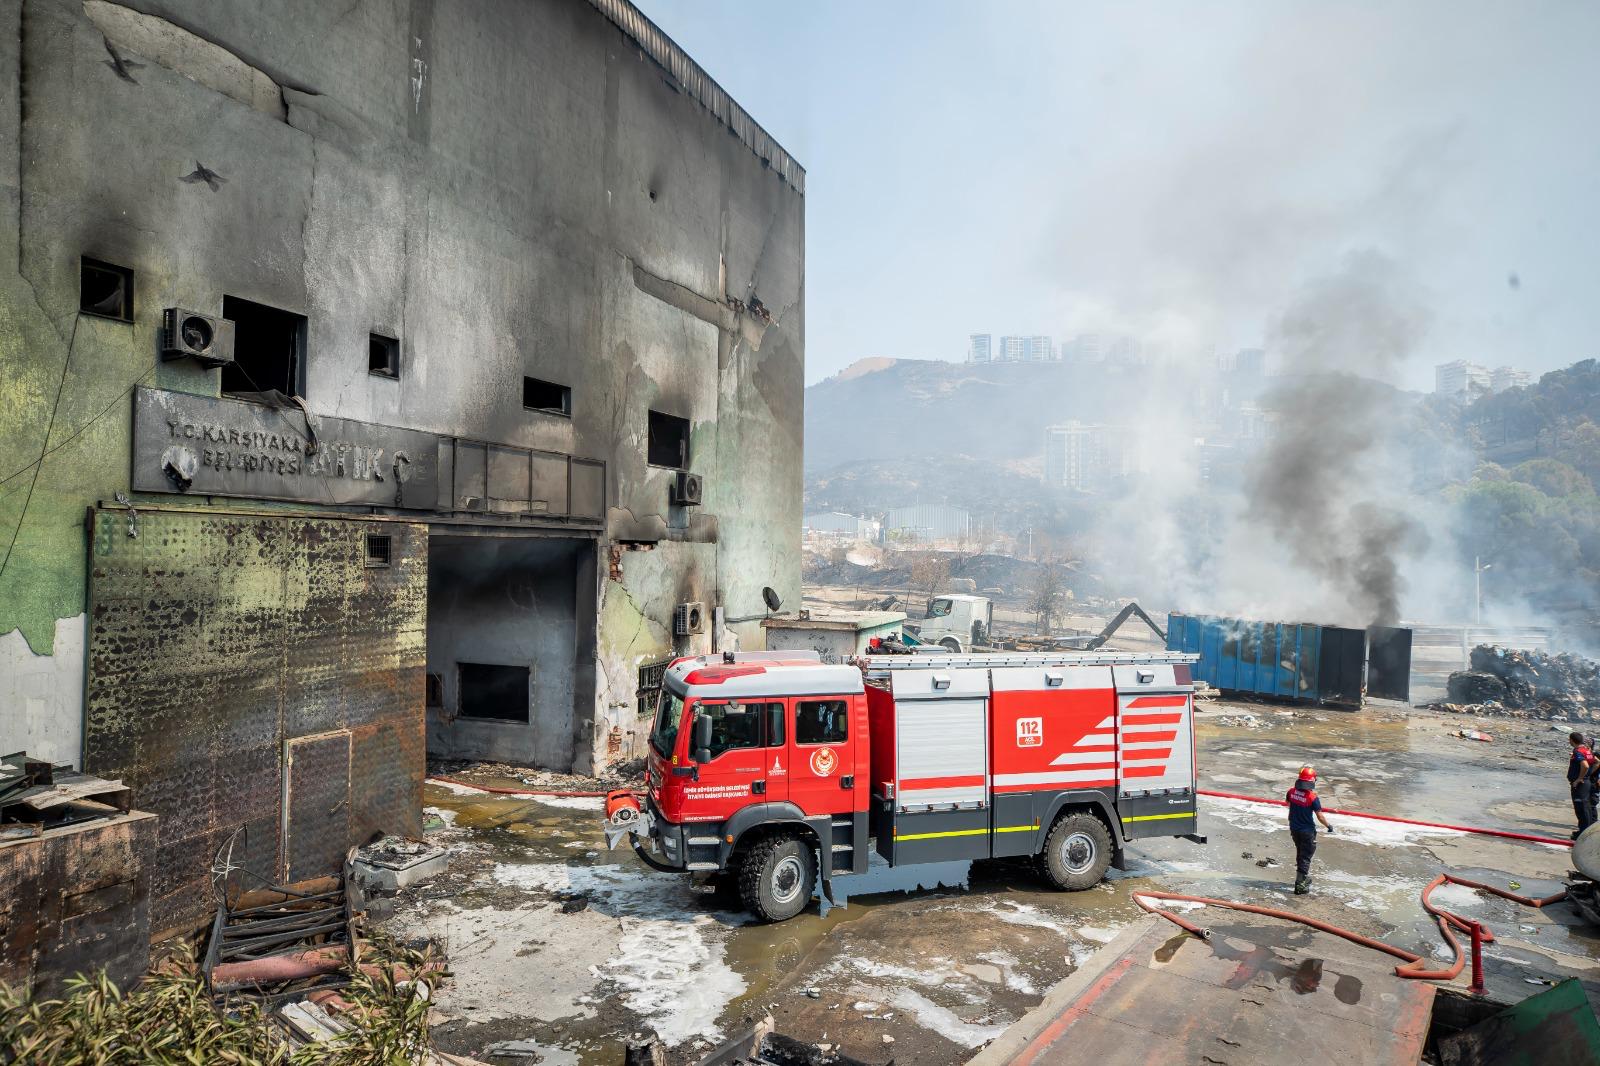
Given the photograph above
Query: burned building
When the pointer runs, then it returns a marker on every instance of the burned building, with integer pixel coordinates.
(374, 381)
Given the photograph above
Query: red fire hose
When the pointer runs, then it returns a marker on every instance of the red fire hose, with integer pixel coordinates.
(1411, 966)
(1508, 834)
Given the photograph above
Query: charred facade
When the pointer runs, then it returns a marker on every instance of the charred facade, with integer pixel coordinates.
(375, 382)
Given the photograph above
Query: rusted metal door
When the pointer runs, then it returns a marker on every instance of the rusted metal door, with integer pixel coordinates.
(316, 804)
(214, 638)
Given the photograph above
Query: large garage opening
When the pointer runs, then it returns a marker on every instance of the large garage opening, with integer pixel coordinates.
(509, 677)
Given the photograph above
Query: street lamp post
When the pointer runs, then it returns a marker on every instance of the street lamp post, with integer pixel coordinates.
(1478, 567)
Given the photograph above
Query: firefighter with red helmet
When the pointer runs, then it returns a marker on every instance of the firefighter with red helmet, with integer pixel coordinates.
(1303, 807)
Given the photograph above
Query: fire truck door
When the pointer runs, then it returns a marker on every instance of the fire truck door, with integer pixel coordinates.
(736, 768)
(821, 756)
(1155, 752)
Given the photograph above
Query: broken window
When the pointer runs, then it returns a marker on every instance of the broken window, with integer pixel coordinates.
(377, 549)
(383, 356)
(821, 721)
(268, 350)
(105, 290)
(546, 396)
(669, 441)
(435, 690)
(490, 691)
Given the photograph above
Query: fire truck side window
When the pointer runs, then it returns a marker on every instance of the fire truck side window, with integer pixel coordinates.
(821, 721)
(733, 725)
(775, 717)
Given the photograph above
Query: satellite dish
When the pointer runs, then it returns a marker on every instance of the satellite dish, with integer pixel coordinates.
(770, 596)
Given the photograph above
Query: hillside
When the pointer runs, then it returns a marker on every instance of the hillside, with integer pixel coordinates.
(899, 408)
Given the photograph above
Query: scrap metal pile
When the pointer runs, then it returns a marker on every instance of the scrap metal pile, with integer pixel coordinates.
(1526, 684)
(36, 796)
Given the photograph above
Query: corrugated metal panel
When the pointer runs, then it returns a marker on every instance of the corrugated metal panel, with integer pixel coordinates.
(695, 82)
(942, 753)
(215, 637)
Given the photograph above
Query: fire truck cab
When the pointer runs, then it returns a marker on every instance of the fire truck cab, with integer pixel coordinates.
(773, 770)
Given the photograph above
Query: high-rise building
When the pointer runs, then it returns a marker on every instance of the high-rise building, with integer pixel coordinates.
(1088, 348)
(1460, 378)
(980, 347)
(1038, 350)
(1250, 362)
(1012, 349)
(1506, 377)
(1087, 457)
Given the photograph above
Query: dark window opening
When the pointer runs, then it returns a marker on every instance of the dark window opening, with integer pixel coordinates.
(821, 721)
(378, 549)
(435, 690)
(497, 692)
(546, 396)
(383, 355)
(649, 688)
(268, 350)
(105, 290)
(669, 441)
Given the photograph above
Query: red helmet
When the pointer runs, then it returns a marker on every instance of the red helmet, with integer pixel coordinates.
(1307, 774)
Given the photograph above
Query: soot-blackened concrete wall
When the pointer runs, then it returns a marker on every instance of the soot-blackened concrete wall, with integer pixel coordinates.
(512, 187)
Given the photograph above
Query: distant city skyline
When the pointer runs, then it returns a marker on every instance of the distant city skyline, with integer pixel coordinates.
(1185, 179)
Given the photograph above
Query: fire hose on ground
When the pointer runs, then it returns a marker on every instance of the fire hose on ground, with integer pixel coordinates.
(1480, 830)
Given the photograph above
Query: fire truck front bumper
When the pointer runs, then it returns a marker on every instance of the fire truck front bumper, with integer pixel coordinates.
(660, 844)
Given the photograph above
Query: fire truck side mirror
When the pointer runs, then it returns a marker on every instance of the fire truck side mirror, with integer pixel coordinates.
(700, 738)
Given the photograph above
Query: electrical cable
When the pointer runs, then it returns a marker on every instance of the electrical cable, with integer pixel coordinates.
(66, 364)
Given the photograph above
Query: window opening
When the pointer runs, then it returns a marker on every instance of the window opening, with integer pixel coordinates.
(546, 396)
(821, 722)
(105, 290)
(649, 687)
(383, 355)
(669, 441)
(268, 350)
(435, 690)
(733, 725)
(491, 691)
(378, 549)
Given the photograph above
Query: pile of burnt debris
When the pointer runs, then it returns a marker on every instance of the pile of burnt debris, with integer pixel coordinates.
(1527, 684)
(37, 796)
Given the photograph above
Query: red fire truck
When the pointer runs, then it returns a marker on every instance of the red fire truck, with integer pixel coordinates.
(772, 769)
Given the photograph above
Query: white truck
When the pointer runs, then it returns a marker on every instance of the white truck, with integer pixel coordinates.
(956, 622)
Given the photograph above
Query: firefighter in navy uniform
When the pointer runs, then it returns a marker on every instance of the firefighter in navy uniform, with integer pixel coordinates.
(1304, 806)
(1581, 780)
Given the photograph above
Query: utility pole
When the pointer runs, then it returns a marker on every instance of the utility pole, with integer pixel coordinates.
(1478, 567)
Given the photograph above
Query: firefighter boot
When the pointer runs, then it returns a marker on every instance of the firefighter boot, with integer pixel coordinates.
(1302, 886)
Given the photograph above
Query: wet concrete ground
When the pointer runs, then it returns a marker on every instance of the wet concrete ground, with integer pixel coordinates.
(563, 952)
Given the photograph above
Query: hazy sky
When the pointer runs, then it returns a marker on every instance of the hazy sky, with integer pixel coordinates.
(1177, 170)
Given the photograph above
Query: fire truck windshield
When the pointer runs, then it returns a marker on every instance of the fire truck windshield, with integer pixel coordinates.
(669, 714)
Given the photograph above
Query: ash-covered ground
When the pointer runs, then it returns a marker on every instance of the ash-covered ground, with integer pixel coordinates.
(563, 952)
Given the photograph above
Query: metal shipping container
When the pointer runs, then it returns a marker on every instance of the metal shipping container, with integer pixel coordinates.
(1295, 660)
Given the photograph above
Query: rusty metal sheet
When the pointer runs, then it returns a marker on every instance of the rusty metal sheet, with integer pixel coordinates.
(215, 637)
(76, 900)
(316, 804)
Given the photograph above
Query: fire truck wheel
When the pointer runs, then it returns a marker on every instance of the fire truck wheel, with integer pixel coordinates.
(777, 877)
(1076, 853)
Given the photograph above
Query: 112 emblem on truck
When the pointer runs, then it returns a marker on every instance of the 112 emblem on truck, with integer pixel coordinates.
(923, 758)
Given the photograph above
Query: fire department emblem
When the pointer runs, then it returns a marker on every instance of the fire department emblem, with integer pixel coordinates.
(824, 762)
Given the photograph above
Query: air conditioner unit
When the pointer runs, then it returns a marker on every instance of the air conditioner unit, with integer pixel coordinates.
(206, 339)
(686, 489)
(689, 618)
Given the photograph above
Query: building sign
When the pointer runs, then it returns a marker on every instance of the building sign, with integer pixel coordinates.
(203, 446)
